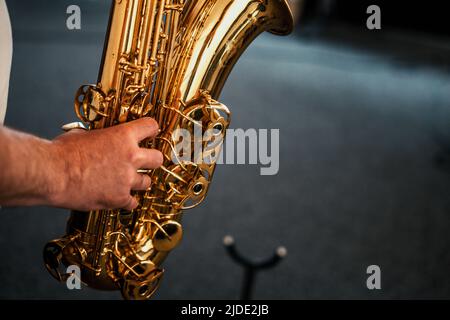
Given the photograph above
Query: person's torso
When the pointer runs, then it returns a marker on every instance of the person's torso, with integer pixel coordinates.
(5, 58)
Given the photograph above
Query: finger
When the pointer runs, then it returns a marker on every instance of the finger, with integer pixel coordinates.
(142, 182)
(148, 159)
(144, 128)
(132, 204)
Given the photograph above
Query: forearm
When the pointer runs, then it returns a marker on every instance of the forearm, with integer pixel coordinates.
(79, 170)
(29, 169)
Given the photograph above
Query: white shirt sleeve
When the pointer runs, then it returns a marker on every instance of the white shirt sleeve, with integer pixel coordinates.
(5, 58)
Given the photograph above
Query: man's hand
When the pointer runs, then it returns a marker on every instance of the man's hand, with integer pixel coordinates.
(79, 170)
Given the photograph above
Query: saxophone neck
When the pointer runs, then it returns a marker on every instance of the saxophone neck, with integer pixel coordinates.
(222, 31)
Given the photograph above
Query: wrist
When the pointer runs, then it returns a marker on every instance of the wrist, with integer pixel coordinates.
(59, 179)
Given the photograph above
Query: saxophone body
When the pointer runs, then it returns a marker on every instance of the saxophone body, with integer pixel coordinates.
(165, 59)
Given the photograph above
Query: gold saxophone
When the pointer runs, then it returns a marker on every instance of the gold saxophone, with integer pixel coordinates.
(165, 59)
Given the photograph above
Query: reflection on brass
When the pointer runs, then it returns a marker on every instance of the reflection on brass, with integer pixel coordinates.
(166, 59)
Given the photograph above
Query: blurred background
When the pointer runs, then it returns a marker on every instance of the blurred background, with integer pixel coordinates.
(364, 119)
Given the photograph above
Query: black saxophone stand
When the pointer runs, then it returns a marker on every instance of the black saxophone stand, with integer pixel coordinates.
(250, 267)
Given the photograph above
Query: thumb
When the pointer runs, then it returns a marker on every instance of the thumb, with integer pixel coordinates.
(75, 131)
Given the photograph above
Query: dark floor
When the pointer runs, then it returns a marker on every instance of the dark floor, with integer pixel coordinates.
(359, 183)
